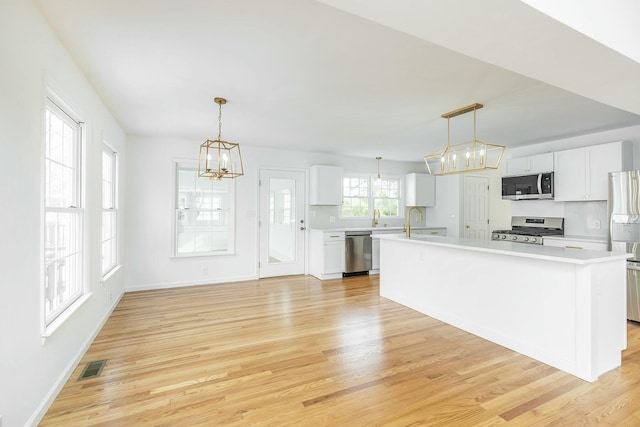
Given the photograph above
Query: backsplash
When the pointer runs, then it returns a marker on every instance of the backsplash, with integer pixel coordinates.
(580, 218)
(324, 217)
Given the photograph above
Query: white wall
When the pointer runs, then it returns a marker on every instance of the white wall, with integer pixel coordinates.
(31, 371)
(149, 198)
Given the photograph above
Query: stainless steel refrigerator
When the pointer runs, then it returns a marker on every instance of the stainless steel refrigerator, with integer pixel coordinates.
(624, 231)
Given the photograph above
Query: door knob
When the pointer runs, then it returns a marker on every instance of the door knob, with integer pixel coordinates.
(467, 226)
(303, 228)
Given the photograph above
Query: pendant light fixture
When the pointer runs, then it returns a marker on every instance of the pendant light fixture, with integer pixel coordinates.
(470, 156)
(220, 159)
(378, 159)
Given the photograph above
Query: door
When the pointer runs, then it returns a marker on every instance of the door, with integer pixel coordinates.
(476, 207)
(282, 225)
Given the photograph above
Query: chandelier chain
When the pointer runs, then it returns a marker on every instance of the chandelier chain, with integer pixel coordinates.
(220, 122)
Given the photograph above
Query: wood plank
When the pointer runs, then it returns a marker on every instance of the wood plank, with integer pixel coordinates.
(298, 351)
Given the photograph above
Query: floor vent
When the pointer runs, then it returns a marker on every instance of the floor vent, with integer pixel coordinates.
(92, 369)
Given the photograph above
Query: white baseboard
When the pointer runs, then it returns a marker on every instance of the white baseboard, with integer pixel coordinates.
(180, 284)
(43, 407)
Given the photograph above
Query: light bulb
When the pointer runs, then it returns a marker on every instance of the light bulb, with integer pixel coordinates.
(454, 160)
(467, 156)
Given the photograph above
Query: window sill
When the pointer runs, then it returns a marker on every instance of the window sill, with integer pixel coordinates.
(202, 255)
(110, 273)
(59, 321)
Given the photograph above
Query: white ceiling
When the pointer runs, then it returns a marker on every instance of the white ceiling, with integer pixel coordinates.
(301, 74)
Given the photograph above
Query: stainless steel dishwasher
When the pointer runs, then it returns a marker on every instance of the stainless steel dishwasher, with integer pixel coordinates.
(357, 254)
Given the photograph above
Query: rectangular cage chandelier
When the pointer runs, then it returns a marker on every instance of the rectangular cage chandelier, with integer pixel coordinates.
(220, 159)
(469, 156)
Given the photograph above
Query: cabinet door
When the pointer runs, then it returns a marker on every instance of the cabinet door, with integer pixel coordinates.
(325, 185)
(333, 257)
(420, 190)
(601, 159)
(517, 166)
(375, 254)
(570, 175)
(541, 163)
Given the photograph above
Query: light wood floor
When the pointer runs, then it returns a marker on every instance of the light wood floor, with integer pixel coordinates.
(297, 351)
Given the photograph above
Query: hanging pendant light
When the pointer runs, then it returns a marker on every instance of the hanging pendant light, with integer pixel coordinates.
(220, 159)
(378, 159)
(470, 156)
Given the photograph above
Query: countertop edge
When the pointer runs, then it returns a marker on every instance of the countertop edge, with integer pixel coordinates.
(556, 254)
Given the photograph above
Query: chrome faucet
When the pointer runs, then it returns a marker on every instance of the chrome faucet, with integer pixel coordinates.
(408, 225)
(374, 222)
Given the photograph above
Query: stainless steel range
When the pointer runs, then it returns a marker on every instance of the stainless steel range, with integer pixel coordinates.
(530, 230)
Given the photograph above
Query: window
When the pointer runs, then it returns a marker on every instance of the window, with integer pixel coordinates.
(355, 192)
(63, 212)
(204, 214)
(109, 210)
(360, 202)
(386, 196)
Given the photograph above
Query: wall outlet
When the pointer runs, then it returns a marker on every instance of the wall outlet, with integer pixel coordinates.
(594, 224)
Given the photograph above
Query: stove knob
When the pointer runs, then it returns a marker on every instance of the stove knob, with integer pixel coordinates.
(525, 239)
(503, 237)
(533, 240)
(514, 238)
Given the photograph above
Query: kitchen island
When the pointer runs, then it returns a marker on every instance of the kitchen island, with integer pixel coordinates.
(563, 307)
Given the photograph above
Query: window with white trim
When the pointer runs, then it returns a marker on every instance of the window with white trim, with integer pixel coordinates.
(204, 213)
(63, 212)
(109, 241)
(386, 196)
(363, 194)
(355, 197)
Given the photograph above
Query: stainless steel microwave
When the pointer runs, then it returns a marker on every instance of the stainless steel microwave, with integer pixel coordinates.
(528, 187)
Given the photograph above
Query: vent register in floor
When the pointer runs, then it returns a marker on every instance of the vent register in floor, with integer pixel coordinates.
(92, 370)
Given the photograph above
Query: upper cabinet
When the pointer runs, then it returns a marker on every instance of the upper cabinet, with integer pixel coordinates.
(420, 190)
(529, 165)
(325, 185)
(582, 174)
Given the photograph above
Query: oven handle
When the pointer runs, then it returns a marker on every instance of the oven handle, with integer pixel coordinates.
(631, 265)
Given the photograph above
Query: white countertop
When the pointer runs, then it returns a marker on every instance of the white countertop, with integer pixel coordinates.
(331, 230)
(568, 255)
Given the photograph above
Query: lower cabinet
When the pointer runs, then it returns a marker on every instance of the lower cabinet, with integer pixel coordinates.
(563, 242)
(429, 231)
(326, 254)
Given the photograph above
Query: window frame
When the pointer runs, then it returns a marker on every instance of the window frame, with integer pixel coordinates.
(112, 210)
(362, 177)
(52, 318)
(370, 196)
(176, 210)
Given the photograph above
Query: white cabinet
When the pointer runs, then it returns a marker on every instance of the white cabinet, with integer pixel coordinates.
(429, 231)
(531, 164)
(375, 246)
(326, 254)
(420, 190)
(325, 185)
(564, 242)
(581, 174)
